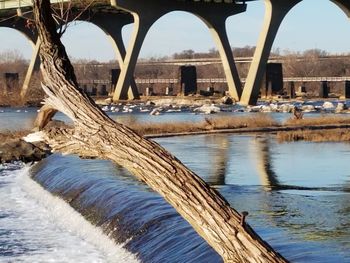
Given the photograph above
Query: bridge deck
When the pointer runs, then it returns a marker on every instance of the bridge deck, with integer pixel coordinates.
(13, 4)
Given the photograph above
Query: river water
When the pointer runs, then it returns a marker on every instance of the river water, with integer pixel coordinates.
(64, 209)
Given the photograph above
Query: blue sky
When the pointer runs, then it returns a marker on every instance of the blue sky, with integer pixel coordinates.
(311, 24)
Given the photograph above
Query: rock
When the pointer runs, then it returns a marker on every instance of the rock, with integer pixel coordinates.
(156, 111)
(265, 108)
(208, 109)
(273, 107)
(105, 108)
(328, 105)
(20, 150)
(108, 101)
(227, 100)
(286, 108)
(340, 107)
(253, 108)
(308, 108)
(150, 103)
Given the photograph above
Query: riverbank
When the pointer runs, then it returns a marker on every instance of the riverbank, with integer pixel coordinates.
(18, 146)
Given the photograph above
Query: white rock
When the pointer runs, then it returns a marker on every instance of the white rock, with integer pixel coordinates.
(155, 111)
(340, 107)
(144, 109)
(105, 108)
(208, 109)
(328, 105)
(308, 108)
(265, 108)
(254, 108)
(286, 108)
(273, 107)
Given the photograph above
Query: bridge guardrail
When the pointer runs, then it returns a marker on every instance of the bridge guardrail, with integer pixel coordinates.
(9, 4)
(217, 80)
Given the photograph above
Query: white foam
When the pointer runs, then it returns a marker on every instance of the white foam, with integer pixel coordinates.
(48, 228)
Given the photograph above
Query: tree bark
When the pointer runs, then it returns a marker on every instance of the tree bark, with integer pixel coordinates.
(96, 135)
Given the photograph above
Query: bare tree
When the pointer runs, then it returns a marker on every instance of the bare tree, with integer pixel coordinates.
(95, 134)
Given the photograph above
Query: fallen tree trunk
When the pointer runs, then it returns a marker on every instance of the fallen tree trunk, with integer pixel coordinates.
(96, 135)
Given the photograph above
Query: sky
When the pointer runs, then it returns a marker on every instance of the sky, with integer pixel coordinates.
(311, 24)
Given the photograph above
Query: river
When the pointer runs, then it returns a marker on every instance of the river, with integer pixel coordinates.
(64, 209)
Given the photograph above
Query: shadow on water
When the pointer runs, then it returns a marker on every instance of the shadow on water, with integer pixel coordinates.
(300, 207)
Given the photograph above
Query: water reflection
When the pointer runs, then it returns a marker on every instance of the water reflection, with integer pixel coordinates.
(220, 161)
(268, 176)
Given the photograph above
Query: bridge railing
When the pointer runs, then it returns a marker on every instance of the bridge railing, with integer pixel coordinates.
(218, 80)
(156, 81)
(10, 4)
(316, 79)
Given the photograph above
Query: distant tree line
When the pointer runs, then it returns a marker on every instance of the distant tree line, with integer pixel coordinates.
(312, 62)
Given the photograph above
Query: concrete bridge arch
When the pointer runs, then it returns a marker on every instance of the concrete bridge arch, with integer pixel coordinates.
(111, 27)
(111, 23)
(275, 12)
(214, 16)
(20, 25)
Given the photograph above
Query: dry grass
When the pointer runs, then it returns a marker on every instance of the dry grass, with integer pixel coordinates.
(11, 135)
(255, 121)
(334, 135)
(205, 125)
(323, 120)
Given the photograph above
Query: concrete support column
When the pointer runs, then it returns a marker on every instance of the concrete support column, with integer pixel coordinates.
(20, 24)
(112, 24)
(291, 90)
(275, 11)
(141, 27)
(146, 13)
(34, 65)
(324, 89)
(346, 90)
(217, 27)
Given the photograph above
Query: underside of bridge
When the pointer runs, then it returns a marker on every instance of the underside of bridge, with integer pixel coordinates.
(110, 19)
(275, 12)
(112, 15)
(214, 15)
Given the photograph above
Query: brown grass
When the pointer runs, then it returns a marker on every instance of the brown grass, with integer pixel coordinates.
(334, 135)
(205, 125)
(323, 120)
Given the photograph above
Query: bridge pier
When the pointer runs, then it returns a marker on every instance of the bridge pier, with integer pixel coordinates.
(275, 11)
(291, 90)
(20, 24)
(217, 26)
(346, 90)
(324, 89)
(213, 14)
(112, 24)
(34, 66)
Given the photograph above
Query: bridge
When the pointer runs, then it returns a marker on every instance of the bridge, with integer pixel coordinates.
(112, 15)
(170, 82)
(223, 80)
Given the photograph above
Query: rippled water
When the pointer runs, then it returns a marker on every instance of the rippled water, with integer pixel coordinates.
(297, 196)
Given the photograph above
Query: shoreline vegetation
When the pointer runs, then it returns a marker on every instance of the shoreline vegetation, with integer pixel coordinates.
(317, 129)
(14, 147)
